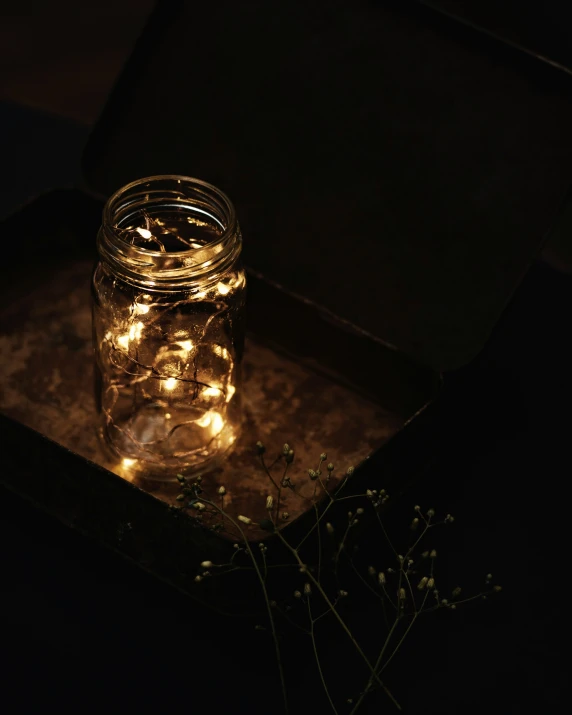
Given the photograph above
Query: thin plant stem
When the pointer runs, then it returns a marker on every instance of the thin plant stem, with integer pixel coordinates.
(380, 657)
(324, 512)
(317, 657)
(340, 620)
(267, 602)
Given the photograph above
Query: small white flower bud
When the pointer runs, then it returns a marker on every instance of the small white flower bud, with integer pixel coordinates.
(497, 589)
(489, 577)
(198, 579)
(285, 516)
(323, 457)
(456, 592)
(206, 564)
(307, 589)
(417, 507)
(431, 583)
(269, 503)
(297, 594)
(350, 471)
(330, 467)
(235, 546)
(329, 529)
(402, 593)
(359, 511)
(221, 491)
(381, 577)
(343, 594)
(433, 554)
(244, 519)
(368, 493)
(371, 570)
(431, 513)
(423, 583)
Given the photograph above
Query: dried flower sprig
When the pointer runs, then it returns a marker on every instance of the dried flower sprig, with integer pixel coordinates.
(404, 590)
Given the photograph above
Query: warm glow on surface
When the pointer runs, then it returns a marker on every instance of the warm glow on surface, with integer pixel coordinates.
(144, 232)
(126, 462)
(230, 390)
(222, 288)
(141, 309)
(170, 383)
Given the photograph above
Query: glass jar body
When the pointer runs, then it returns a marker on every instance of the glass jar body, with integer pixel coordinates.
(168, 356)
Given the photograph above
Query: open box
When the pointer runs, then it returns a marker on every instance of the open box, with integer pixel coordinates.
(374, 265)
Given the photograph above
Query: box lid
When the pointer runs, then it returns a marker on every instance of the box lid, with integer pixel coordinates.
(540, 27)
(391, 165)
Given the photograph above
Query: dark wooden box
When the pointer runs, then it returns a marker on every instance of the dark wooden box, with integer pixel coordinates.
(394, 175)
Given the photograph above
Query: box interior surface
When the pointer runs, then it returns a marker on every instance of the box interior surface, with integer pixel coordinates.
(310, 381)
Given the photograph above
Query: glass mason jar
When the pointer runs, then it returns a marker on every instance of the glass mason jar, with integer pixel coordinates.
(168, 325)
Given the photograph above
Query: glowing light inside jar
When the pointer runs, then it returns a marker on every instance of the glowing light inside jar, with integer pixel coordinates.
(211, 391)
(221, 352)
(135, 332)
(217, 423)
(165, 380)
(123, 341)
(213, 420)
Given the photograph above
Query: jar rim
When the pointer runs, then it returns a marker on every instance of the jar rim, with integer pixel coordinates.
(107, 218)
(171, 268)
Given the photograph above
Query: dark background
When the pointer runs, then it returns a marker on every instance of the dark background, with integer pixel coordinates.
(82, 630)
